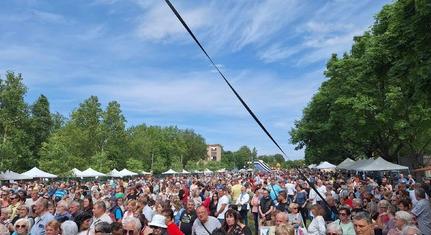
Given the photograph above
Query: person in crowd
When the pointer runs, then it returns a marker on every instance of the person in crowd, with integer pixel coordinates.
(266, 207)
(331, 211)
(22, 213)
(274, 189)
(213, 204)
(43, 217)
(422, 211)
(157, 226)
(232, 224)
(335, 229)
(15, 203)
(314, 197)
(21, 227)
(74, 209)
(295, 217)
(69, 228)
(103, 228)
(188, 217)
(117, 228)
(204, 224)
(344, 221)
(243, 202)
(131, 209)
(411, 230)
(402, 219)
(83, 221)
(363, 224)
(99, 214)
(34, 196)
(131, 226)
(222, 204)
(317, 225)
(284, 229)
(172, 228)
(301, 199)
(61, 212)
(255, 203)
(87, 204)
(52, 228)
(281, 218)
(283, 204)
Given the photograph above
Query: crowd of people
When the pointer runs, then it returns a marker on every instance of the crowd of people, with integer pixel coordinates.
(280, 203)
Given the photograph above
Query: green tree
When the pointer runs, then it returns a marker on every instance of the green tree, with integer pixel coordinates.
(40, 125)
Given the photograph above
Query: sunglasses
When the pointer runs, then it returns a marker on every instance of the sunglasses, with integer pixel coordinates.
(20, 226)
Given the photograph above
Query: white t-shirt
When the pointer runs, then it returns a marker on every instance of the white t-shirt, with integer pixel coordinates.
(223, 200)
(290, 189)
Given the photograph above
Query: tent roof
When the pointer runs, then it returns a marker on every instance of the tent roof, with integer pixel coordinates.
(91, 173)
(346, 163)
(359, 163)
(76, 172)
(221, 170)
(311, 166)
(10, 175)
(146, 173)
(325, 165)
(381, 164)
(114, 173)
(207, 171)
(125, 172)
(169, 172)
(37, 173)
(197, 172)
(184, 172)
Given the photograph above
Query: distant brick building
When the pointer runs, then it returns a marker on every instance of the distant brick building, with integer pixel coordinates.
(214, 152)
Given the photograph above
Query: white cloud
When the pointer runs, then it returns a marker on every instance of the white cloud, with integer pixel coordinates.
(48, 16)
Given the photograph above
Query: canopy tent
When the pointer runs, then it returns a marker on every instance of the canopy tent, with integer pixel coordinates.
(207, 171)
(326, 165)
(91, 173)
(381, 164)
(125, 172)
(184, 172)
(37, 173)
(221, 170)
(10, 175)
(169, 172)
(145, 173)
(346, 163)
(114, 173)
(312, 166)
(358, 164)
(197, 172)
(75, 172)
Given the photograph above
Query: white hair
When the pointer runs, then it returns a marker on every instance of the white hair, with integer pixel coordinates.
(403, 215)
(133, 220)
(4, 230)
(334, 227)
(408, 228)
(26, 221)
(69, 227)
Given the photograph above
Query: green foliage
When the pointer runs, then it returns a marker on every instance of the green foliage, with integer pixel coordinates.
(376, 101)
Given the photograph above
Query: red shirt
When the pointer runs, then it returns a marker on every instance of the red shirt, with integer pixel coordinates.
(173, 229)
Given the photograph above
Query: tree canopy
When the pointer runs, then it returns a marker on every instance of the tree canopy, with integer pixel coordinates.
(376, 101)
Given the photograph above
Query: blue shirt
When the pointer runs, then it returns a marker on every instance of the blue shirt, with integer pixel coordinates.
(40, 222)
(274, 191)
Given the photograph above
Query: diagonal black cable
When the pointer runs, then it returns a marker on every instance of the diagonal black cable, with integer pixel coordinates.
(240, 99)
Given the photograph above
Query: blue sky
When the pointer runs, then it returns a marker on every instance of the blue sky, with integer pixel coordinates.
(136, 52)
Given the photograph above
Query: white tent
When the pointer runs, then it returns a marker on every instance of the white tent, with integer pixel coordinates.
(222, 170)
(360, 163)
(346, 163)
(114, 173)
(91, 173)
(169, 172)
(10, 175)
(145, 173)
(207, 171)
(381, 164)
(125, 172)
(75, 172)
(185, 172)
(197, 172)
(312, 166)
(37, 173)
(325, 165)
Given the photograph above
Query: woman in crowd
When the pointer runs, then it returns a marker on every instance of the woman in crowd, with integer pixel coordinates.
(83, 221)
(131, 209)
(232, 225)
(87, 204)
(295, 217)
(22, 227)
(116, 210)
(213, 204)
(317, 225)
(300, 199)
(344, 221)
(402, 219)
(69, 228)
(255, 202)
(52, 228)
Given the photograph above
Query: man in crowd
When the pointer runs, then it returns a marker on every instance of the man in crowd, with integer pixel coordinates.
(131, 226)
(363, 224)
(43, 217)
(188, 217)
(274, 190)
(74, 209)
(204, 224)
(99, 214)
(422, 211)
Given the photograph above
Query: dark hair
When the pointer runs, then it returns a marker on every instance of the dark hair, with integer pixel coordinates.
(168, 212)
(81, 217)
(345, 208)
(143, 220)
(218, 231)
(230, 213)
(90, 202)
(363, 216)
(115, 226)
(103, 227)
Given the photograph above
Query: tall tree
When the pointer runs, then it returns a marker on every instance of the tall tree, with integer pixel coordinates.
(40, 125)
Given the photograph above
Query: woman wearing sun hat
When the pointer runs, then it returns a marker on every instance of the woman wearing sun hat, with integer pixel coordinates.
(157, 226)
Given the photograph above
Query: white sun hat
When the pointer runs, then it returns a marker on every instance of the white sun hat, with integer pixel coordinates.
(158, 221)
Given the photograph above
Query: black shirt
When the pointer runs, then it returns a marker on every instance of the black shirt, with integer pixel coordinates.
(187, 220)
